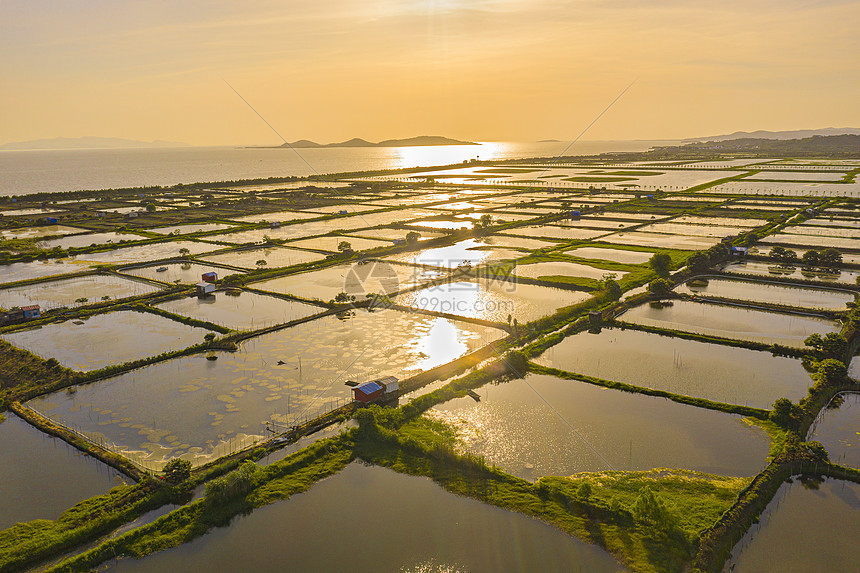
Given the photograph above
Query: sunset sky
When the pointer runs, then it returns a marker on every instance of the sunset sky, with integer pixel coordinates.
(487, 70)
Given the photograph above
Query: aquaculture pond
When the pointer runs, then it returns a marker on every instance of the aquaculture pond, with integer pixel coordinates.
(838, 429)
(555, 232)
(190, 228)
(36, 232)
(673, 228)
(177, 273)
(38, 269)
(823, 231)
(273, 256)
(370, 519)
(516, 242)
(468, 251)
(800, 296)
(809, 525)
(731, 322)
(356, 279)
(277, 216)
(331, 243)
(514, 428)
(813, 241)
(659, 240)
(792, 271)
(616, 255)
(88, 239)
(74, 291)
(42, 476)
(145, 253)
(563, 269)
(202, 409)
(106, 339)
(490, 299)
(241, 310)
(450, 224)
(712, 371)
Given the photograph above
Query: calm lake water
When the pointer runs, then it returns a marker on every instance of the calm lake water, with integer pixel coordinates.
(721, 373)
(24, 172)
(514, 428)
(41, 476)
(804, 528)
(337, 526)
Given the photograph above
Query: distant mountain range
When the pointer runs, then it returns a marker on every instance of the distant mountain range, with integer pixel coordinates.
(356, 142)
(795, 134)
(87, 143)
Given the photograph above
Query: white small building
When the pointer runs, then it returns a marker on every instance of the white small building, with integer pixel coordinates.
(205, 289)
(389, 384)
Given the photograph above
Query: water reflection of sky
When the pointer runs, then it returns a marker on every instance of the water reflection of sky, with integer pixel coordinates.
(514, 428)
(203, 409)
(490, 299)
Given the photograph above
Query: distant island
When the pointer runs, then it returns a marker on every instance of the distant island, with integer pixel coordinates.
(87, 143)
(421, 140)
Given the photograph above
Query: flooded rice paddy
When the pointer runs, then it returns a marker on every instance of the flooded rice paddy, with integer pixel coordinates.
(106, 339)
(515, 429)
(720, 373)
(805, 297)
(200, 409)
(333, 527)
(732, 322)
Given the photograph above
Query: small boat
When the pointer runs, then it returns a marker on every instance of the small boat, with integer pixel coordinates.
(160, 269)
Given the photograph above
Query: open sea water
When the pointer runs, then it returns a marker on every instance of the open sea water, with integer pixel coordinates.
(24, 172)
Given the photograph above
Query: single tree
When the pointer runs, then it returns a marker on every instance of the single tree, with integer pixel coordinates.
(659, 287)
(660, 264)
(830, 258)
(810, 258)
(344, 246)
(261, 263)
(177, 470)
(412, 237)
(831, 371)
